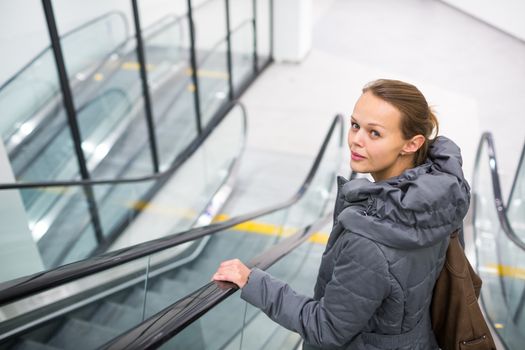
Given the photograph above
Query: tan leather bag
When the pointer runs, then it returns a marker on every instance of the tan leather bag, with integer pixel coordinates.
(457, 320)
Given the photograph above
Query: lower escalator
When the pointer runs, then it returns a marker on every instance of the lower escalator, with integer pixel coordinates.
(126, 287)
(100, 322)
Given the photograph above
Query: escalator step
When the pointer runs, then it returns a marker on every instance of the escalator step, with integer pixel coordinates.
(155, 301)
(172, 288)
(81, 334)
(184, 274)
(117, 317)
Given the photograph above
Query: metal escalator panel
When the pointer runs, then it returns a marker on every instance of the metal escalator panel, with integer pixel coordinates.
(500, 259)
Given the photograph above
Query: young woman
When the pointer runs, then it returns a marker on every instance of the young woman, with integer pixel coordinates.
(389, 238)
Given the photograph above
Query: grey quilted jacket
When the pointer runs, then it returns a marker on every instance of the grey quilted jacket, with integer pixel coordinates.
(384, 254)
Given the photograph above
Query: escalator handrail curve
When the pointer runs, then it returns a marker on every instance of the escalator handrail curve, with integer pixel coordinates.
(501, 209)
(19, 288)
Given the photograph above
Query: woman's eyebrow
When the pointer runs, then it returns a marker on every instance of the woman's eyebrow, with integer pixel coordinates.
(375, 124)
(368, 124)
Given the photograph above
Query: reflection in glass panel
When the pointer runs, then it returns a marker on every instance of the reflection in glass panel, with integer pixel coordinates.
(67, 225)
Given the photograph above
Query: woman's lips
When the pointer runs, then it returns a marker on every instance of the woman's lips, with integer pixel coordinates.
(357, 156)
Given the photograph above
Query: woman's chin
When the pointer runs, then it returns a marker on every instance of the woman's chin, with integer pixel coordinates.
(358, 168)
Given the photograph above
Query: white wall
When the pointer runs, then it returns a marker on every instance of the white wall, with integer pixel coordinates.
(292, 30)
(507, 15)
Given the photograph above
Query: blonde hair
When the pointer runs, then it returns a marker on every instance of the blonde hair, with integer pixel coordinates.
(417, 118)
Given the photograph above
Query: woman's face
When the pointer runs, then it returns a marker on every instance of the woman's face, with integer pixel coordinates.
(375, 139)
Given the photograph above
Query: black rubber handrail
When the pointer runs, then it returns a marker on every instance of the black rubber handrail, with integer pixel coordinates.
(25, 286)
(496, 187)
(161, 327)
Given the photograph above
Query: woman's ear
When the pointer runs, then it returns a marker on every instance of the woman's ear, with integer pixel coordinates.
(412, 145)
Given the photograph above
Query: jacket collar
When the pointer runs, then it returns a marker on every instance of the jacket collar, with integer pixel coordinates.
(418, 208)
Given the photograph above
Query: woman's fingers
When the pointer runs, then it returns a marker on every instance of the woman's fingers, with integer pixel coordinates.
(232, 271)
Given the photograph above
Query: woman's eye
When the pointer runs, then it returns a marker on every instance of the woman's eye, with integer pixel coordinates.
(354, 126)
(374, 133)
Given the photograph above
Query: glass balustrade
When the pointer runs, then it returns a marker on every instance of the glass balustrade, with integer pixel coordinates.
(500, 261)
(122, 297)
(72, 223)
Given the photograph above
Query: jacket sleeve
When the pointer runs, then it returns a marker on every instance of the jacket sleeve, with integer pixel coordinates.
(359, 284)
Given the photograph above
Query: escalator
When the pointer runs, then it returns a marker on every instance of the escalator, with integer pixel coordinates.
(100, 298)
(500, 245)
(111, 117)
(163, 298)
(500, 250)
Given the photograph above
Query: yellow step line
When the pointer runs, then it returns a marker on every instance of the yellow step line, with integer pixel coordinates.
(506, 271)
(136, 66)
(271, 229)
(208, 73)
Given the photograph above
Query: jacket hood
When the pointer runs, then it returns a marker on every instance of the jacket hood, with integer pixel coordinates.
(418, 208)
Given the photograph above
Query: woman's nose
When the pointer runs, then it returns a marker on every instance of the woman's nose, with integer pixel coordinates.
(355, 137)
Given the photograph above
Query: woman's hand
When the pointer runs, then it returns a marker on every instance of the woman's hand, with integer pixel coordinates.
(232, 271)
